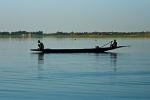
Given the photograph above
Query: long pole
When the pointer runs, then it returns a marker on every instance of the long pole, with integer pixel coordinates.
(106, 44)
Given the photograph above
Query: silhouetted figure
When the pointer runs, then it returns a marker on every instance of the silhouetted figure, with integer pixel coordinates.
(114, 44)
(40, 45)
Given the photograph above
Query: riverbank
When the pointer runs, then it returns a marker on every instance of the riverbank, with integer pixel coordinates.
(78, 36)
(100, 36)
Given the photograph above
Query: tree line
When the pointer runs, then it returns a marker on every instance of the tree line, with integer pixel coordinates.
(101, 33)
(75, 33)
(21, 32)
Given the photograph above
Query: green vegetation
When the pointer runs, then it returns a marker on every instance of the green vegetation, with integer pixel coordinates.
(24, 32)
(102, 34)
(21, 32)
(77, 34)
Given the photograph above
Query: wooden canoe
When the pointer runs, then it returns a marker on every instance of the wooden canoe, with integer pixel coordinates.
(86, 50)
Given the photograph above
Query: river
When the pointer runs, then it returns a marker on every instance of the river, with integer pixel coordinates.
(121, 74)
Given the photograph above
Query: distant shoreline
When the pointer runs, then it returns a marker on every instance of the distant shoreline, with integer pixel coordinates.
(25, 34)
(101, 36)
(77, 36)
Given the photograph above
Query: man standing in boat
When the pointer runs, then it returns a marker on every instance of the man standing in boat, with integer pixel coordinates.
(114, 45)
(40, 45)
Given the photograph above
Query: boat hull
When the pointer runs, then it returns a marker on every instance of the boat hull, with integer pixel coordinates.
(89, 50)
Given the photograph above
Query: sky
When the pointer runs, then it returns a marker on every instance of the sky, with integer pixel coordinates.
(51, 16)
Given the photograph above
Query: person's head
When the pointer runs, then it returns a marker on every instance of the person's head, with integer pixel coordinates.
(38, 41)
(114, 40)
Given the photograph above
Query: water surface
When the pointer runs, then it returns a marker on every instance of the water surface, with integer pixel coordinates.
(122, 74)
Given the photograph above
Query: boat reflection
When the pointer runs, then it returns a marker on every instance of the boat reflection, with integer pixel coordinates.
(40, 65)
(40, 61)
(113, 58)
(40, 57)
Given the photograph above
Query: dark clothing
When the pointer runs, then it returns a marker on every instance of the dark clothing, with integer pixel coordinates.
(114, 45)
(41, 46)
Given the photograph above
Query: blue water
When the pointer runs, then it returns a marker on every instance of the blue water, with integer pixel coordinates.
(122, 74)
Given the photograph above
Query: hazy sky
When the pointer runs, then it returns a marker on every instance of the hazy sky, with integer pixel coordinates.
(75, 15)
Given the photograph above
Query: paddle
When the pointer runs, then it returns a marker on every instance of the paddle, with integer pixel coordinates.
(106, 44)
